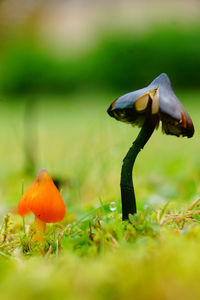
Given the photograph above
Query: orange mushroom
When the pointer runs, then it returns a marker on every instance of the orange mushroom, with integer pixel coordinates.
(44, 200)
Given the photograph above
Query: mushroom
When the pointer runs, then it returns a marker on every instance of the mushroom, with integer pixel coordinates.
(43, 199)
(146, 108)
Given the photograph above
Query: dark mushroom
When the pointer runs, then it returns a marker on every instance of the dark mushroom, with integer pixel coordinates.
(145, 108)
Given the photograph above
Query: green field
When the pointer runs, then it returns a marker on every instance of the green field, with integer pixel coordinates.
(91, 254)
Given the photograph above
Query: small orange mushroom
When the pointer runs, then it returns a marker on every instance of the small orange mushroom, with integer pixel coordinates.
(44, 200)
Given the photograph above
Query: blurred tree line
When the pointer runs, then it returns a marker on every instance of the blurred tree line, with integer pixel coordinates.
(118, 61)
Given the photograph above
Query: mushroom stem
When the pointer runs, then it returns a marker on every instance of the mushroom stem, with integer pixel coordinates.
(40, 227)
(127, 189)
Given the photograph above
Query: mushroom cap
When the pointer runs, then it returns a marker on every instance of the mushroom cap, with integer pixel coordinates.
(43, 199)
(157, 99)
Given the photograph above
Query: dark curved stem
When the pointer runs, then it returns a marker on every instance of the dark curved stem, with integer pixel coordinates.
(127, 189)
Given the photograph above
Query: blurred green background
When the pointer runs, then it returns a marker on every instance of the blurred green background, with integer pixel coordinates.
(61, 48)
(118, 60)
(62, 64)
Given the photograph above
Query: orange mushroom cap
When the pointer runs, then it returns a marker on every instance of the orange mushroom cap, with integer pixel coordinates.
(43, 199)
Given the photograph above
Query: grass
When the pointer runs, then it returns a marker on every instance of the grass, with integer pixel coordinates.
(91, 254)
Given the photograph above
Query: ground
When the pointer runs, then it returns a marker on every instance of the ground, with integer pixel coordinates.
(92, 254)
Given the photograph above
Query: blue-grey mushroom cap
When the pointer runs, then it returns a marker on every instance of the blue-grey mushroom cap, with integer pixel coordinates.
(157, 99)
